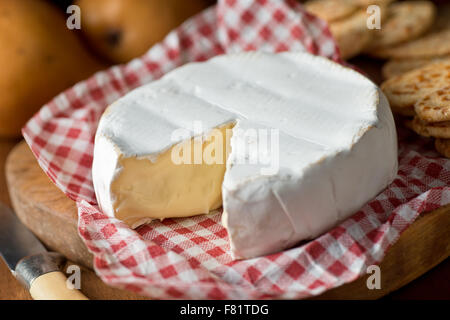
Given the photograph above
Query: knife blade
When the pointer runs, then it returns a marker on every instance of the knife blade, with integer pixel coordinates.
(30, 262)
(16, 241)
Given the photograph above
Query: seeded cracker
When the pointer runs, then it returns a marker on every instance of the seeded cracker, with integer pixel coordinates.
(405, 90)
(402, 24)
(430, 45)
(352, 34)
(331, 10)
(394, 68)
(425, 129)
(435, 107)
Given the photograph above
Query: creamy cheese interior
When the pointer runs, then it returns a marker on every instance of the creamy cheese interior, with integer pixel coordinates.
(146, 189)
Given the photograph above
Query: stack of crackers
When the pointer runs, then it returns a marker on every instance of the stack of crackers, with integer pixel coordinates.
(348, 19)
(432, 46)
(423, 95)
(418, 80)
(415, 39)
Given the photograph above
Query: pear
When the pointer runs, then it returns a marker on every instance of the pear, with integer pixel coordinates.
(121, 30)
(39, 58)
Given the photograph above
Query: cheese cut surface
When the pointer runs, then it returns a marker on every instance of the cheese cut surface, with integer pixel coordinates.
(162, 188)
(335, 148)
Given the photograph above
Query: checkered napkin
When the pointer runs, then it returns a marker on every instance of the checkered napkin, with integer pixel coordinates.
(190, 258)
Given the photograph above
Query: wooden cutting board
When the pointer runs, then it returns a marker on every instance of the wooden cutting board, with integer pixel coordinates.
(53, 218)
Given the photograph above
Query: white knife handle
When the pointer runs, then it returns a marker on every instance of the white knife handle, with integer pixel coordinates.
(41, 275)
(52, 286)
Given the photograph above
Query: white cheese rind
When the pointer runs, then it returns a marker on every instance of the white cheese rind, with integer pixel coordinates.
(105, 168)
(301, 204)
(338, 145)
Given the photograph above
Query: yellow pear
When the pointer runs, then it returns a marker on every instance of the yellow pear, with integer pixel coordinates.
(39, 58)
(121, 30)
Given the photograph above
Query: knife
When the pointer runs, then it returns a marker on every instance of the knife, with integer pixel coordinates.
(35, 268)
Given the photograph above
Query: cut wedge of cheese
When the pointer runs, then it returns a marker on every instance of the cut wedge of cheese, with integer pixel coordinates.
(162, 188)
(298, 144)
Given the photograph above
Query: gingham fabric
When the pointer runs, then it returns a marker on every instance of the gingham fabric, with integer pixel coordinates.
(190, 258)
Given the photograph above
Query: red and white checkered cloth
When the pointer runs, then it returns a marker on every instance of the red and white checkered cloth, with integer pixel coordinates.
(190, 258)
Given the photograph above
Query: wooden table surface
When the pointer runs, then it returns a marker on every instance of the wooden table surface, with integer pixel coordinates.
(433, 285)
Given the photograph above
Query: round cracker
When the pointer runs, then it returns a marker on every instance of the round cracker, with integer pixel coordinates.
(406, 89)
(430, 45)
(351, 34)
(402, 23)
(426, 129)
(435, 107)
(443, 147)
(331, 10)
(394, 67)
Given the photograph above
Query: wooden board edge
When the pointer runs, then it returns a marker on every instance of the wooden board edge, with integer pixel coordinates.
(33, 185)
(426, 232)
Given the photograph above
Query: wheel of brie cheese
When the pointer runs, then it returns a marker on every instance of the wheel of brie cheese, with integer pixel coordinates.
(288, 144)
